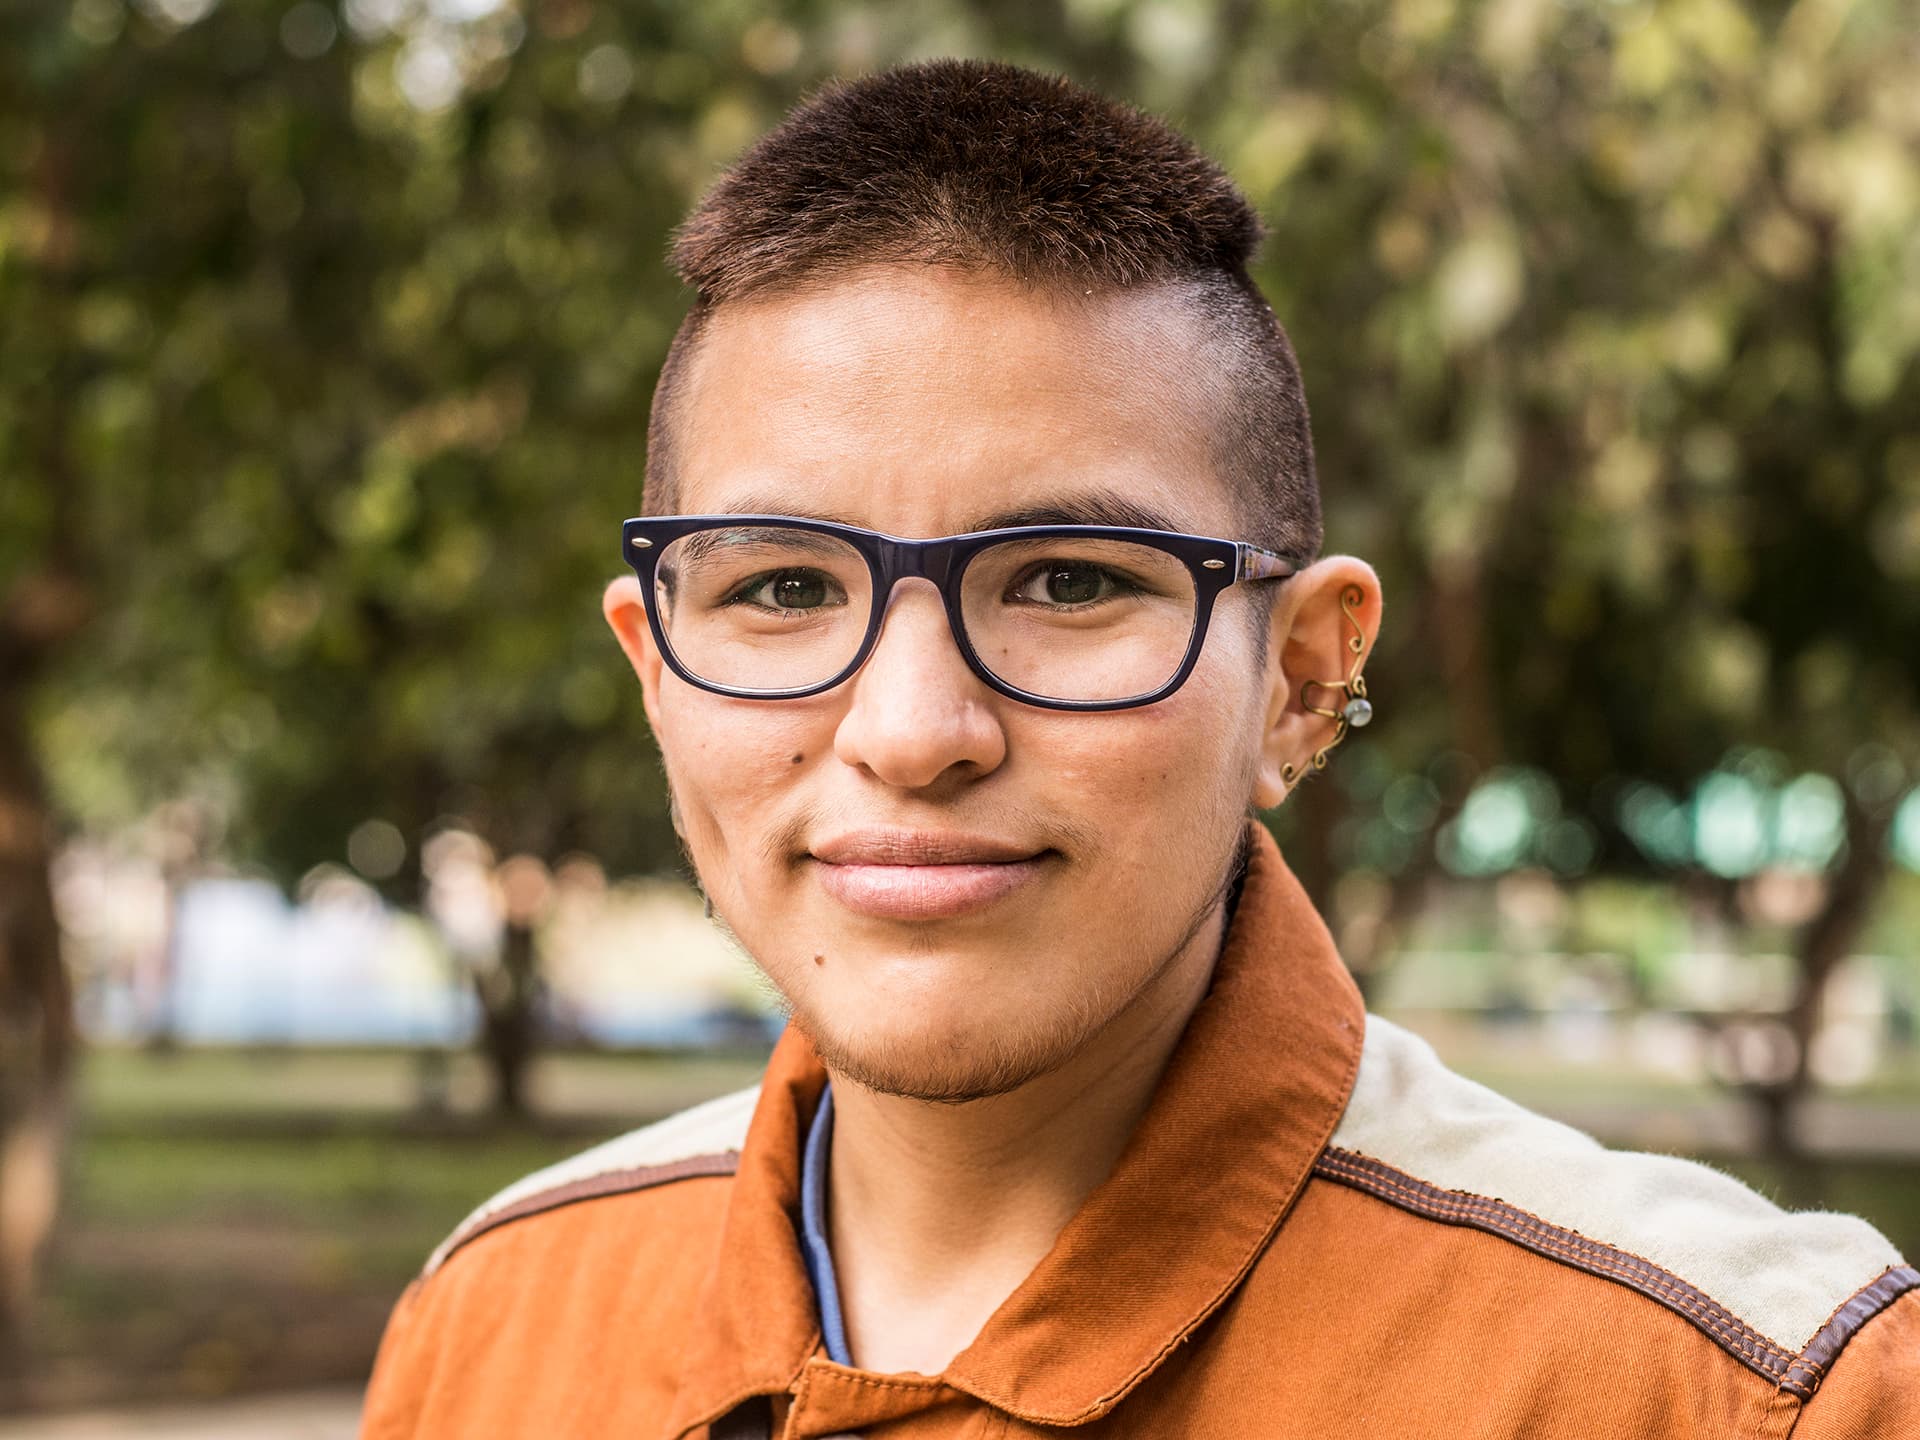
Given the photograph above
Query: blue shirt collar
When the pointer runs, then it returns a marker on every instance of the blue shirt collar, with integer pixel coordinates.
(813, 1229)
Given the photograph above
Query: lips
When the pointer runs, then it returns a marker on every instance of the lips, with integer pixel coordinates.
(895, 874)
(919, 847)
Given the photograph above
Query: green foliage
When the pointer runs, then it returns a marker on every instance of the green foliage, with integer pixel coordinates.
(330, 333)
(1607, 316)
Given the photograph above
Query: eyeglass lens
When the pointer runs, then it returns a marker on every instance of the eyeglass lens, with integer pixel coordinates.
(762, 607)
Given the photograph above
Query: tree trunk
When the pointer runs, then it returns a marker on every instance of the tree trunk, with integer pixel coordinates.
(42, 608)
(507, 1003)
(37, 1043)
(1826, 940)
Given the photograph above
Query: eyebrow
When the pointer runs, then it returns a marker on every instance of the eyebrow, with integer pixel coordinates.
(703, 543)
(1092, 507)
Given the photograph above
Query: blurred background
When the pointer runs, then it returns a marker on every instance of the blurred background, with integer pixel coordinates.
(336, 884)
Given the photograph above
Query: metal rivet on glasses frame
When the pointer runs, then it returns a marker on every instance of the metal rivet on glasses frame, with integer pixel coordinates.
(1214, 564)
(640, 543)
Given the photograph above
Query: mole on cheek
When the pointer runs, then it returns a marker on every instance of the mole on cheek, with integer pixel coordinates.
(798, 758)
(819, 959)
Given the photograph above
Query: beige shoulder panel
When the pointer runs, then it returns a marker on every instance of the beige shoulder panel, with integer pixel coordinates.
(1784, 1274)
(704, 1140)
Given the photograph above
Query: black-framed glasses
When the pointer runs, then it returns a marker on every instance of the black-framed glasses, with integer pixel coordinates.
(1069, 617)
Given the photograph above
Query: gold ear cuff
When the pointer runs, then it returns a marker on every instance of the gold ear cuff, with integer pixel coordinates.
(1356, 710)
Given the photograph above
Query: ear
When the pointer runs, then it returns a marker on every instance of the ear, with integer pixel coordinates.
(1312, 641)
(625, 607)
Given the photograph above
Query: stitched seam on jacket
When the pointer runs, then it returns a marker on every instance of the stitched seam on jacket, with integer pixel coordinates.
(592, 1187)
(1849, 1318)
(880, 1382)
(1600, 1260)
(1555, 1242)
(1885, 1288)
(1599, 1257)
(1581, 1251)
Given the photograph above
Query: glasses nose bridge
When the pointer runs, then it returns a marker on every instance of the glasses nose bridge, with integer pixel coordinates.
(931, 560)
(924, 559)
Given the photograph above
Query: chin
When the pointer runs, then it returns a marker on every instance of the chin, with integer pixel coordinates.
(949, 1060)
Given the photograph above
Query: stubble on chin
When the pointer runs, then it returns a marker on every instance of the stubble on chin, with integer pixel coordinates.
(956, 1068)
(949, 1069)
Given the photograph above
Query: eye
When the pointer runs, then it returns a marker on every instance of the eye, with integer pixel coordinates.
(1068, 582)
(789, 590)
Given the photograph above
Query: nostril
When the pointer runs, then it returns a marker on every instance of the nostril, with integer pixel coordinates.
(911, 728)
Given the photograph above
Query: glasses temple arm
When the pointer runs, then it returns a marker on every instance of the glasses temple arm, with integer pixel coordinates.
(1259, 563)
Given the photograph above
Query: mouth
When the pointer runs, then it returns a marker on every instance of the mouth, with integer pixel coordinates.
(922, 874)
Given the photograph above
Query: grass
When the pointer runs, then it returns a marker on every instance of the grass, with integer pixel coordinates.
(121, 1087)
(198, 1266)
(237, 1220)
(352, 1183)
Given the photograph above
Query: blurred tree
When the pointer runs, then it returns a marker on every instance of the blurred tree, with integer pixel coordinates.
(318, 416)
(1620, 385)
(329, 330)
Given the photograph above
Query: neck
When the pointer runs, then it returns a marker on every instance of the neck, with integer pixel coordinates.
(938, 1212)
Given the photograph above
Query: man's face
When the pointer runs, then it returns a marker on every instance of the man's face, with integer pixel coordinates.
(923, 401)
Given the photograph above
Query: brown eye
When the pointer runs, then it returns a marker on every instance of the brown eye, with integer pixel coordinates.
(789, 590)
(1066, 583)
(799, 592)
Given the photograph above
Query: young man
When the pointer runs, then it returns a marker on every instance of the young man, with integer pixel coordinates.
(1079, 1124)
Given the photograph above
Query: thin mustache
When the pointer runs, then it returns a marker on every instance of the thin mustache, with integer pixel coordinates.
(786, 842)
(876, 846)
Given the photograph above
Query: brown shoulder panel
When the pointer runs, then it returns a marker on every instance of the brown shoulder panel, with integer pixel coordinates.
(591, 1187)
(1797, 1374)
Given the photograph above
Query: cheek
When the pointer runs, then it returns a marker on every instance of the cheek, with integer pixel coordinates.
(728, 758)
(1204, 763)
(1184, 762)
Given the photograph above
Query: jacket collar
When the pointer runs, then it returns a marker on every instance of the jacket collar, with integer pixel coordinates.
(1249, 1099)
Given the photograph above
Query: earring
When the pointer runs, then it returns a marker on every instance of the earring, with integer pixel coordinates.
(1356, 711)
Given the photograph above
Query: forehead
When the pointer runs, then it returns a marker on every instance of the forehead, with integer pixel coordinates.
(925, 400)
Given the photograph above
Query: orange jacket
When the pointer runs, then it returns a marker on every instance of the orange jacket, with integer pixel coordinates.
(1316, 1230)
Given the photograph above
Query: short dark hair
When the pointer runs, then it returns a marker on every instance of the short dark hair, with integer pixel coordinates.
(993, 167)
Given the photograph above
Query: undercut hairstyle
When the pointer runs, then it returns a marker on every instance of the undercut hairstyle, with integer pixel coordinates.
(994, 168)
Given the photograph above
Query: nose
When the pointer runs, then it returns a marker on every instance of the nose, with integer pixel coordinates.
(915, 712)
